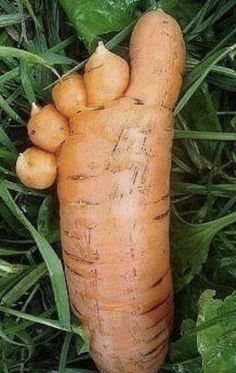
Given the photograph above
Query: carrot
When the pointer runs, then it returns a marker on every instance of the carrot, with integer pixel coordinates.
(36, 168)
(163, 80)
(106, 76)
(70, 95)
(47, 128)
(113, 188)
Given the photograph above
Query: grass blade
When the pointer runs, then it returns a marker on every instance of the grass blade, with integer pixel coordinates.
(52, 262)
(8, 340)
(206, 65)
(205, 135)
(64, 353)
(23, 189)
(35, 319)
(10, 52)
(10, 19)
(24, 285)
(6, 52)
(10, 75)
(6, 142)
(8, 251)
(12, 114)
(198, 75)
(26, 81)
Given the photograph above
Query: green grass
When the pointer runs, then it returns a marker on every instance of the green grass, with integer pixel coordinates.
(37, 45)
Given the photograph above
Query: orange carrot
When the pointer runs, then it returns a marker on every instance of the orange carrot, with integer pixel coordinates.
(70, 95)
(113, 188)
(47, 128)
(36, 168)
(106, 76)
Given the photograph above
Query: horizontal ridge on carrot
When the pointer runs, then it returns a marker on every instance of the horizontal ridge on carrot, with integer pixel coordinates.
(113, 172)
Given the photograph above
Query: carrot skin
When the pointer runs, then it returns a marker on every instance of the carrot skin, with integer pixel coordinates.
(115, 230)
(157, 54)
(113, 187)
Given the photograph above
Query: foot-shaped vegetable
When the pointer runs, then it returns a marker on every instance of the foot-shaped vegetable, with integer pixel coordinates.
(113, 157)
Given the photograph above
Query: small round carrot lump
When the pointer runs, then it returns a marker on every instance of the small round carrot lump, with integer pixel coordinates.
(36, 168)
(106, 76)
(69, 95)
(48, 129)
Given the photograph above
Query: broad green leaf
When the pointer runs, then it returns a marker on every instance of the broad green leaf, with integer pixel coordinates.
(186, 301)
(186, 347)
(48, 220)
(91, 19)
(217, 343)
(187, 366)
(190, 246)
